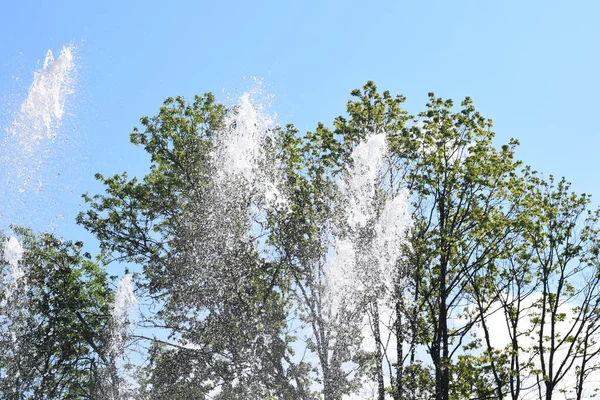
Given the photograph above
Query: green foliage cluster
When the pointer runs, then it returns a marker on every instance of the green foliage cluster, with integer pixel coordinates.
(54, 326)
(493, 245)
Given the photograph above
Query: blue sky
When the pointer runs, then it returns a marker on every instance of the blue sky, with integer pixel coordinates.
(533, 67)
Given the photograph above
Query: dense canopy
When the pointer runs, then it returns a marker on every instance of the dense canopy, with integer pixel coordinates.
(388, 256)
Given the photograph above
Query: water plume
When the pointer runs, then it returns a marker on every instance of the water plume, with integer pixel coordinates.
(13, 251)
(42, 111)
(28, 141)
(13, 254)
(240, 157)
(124, 304)
(367, 241)
(246, 183)
(123, 313)
(363, 272)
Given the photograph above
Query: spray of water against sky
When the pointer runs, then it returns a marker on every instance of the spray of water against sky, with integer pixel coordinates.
(240, 159)
(358, 191)
(13, 253)
(227, 223)
(32, 145)
(247, 186)
(124, 316)
(228, 218)
(366, 245)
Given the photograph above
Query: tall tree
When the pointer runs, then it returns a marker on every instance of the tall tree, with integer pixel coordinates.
(55, 326)
(461, 186)
(221, 302)
(565, 308)
(233, 286)
(330, 173)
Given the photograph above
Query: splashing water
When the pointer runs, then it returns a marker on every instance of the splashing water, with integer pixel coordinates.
(240, 156)
(243, 174)
(27, 143)
(240, 148)
(42, 111)
(13, 251)
(367, 243)
(13, 254)
(359, 188)
(390, 234)
(123, 310)
(347, 271)
(41, 114)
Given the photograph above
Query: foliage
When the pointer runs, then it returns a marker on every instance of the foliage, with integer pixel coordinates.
(221, 304)
(494, 290)
(55, 318)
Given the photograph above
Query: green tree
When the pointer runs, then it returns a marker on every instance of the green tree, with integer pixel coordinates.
(301, 236)
(488, 238)
(461, 185)
(314, 167)
(562, 255)
(54, 331)
(545, 296)
(222, 304)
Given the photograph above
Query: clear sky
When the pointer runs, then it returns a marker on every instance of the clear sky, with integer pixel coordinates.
(531, 66)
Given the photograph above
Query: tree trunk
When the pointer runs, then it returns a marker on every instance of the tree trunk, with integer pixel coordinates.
(378, 352)
(399, 392)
